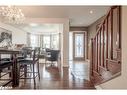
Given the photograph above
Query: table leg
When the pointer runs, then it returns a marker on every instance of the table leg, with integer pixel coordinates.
(15, 72)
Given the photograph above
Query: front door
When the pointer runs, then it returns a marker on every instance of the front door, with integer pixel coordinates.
(79, 46)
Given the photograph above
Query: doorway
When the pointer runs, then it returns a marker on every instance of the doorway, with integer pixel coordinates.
(79, 67)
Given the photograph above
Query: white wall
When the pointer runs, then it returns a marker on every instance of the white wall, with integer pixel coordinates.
(121, 81)
(18, 36)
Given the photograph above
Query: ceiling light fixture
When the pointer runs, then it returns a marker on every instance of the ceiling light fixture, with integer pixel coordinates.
(91, 12)
(11, 14)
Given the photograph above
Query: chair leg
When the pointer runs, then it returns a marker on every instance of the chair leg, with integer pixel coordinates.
(51, 63)
(25, 71)
(34, 74)
(0, 74)
(9, 72)
(45, 61)
(38, 70)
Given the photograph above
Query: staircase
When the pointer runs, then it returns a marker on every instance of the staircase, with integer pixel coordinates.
(106, 48)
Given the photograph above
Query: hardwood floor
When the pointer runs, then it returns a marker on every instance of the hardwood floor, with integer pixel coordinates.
(80, 69)
(52, 79)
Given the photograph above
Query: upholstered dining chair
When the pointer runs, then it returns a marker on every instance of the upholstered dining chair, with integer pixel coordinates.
(52, 56)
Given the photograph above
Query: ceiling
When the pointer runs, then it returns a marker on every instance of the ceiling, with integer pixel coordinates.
(36, 28)
(78, 15)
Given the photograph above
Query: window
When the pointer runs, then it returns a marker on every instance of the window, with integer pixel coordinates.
(33, 40)
(55, 41)
(46, 41)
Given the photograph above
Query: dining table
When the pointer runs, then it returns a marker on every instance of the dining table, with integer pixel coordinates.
(15, 66)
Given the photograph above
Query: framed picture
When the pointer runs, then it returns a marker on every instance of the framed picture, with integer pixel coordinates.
(5, 38)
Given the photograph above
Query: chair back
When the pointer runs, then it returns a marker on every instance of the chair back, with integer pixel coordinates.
(26, 51)
(36, 53)
(54, 54)
(47, 50)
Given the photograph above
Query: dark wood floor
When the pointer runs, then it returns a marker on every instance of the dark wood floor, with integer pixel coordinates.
(52, 79)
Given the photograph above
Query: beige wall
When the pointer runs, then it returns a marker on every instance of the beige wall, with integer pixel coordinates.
(92, 32)
(121, 81)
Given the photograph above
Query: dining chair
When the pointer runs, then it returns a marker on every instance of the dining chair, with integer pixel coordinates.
(31, 61)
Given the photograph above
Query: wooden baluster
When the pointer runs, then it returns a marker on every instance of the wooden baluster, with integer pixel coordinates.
(95, 50)
(94, 45)
(119, 28)
(91, 57)
(101, 35)
(119, 34)
(103, 42)
(111, 43)
(107, 43)
(93, 54)
(99, 50)
(119, 24)
(97, 53)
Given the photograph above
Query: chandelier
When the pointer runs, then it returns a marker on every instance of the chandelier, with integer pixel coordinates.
(11, 14)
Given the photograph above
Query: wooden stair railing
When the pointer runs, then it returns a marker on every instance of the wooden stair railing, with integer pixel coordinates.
(106, 46)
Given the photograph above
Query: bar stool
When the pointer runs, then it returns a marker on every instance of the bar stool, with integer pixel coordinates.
(31, 62)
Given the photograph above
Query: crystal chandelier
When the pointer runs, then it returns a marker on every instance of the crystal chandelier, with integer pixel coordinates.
(12, 14)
